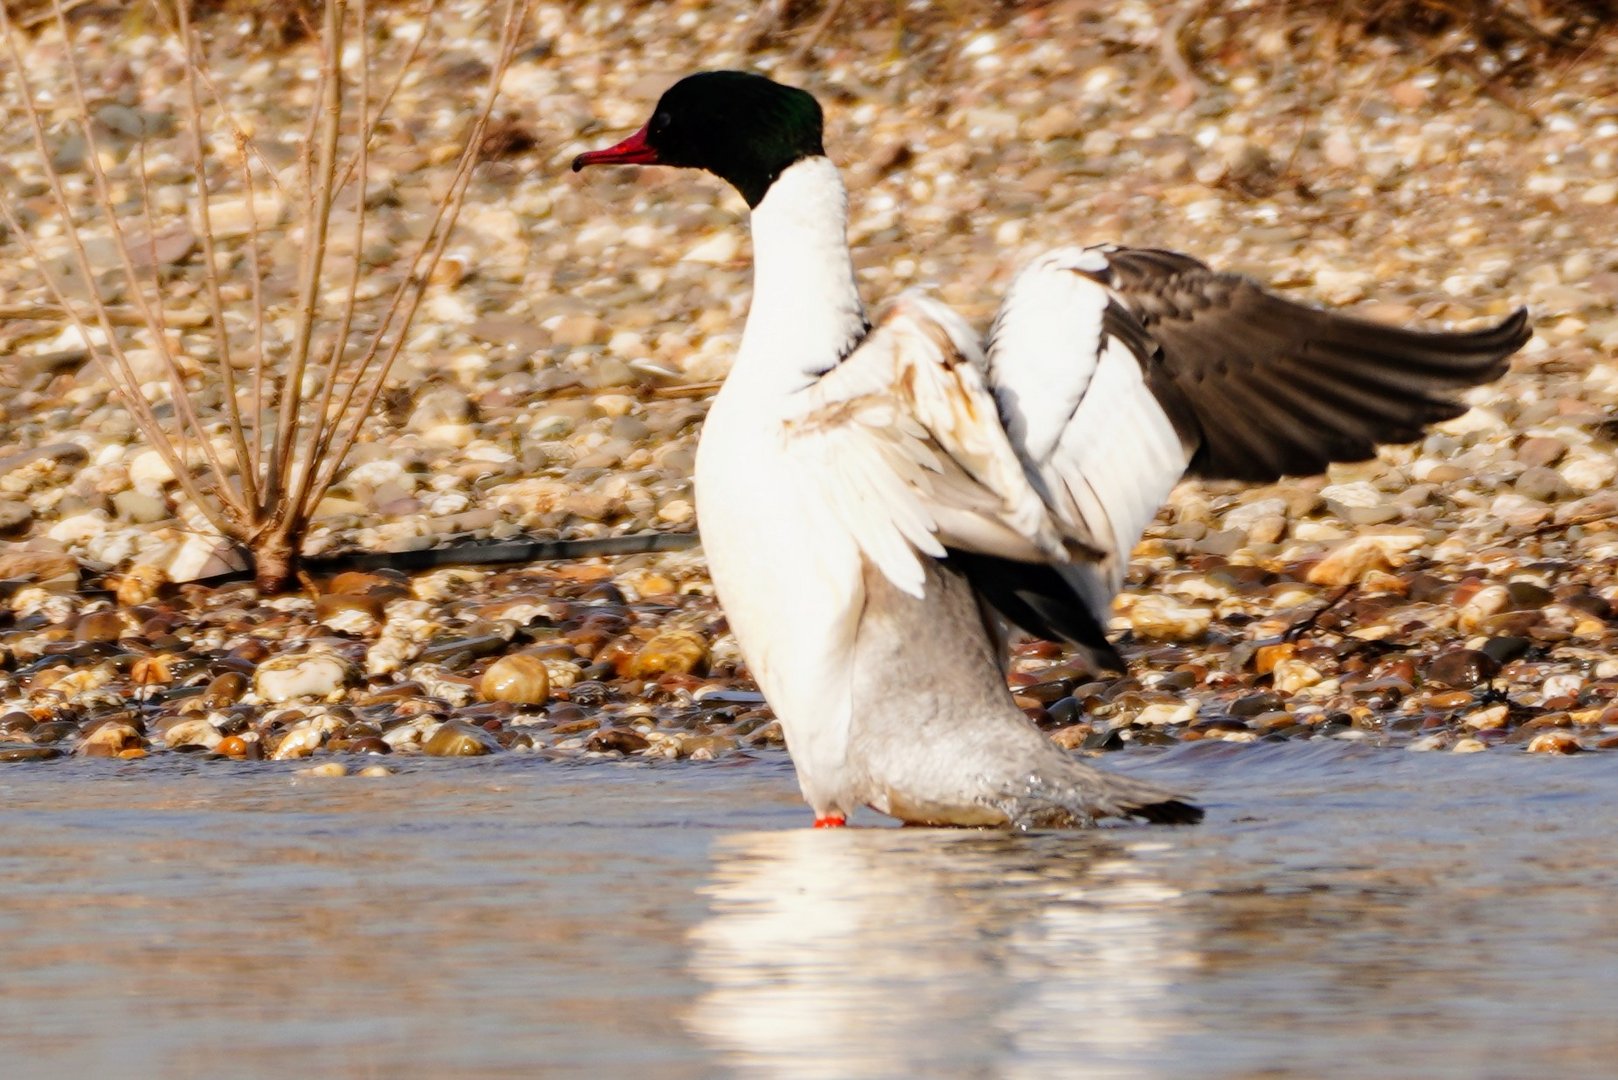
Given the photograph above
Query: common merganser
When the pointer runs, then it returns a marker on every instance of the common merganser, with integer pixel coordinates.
(878, 502)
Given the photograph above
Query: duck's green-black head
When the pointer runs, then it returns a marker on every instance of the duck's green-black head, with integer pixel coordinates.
(743, 128)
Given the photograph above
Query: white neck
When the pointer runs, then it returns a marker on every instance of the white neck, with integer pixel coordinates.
(806, 308)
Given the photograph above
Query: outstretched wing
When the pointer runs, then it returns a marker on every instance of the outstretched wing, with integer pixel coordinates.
(906, 444)
(1120, 370)
(1267, 387)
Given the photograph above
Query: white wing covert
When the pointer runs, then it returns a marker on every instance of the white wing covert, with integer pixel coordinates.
(905, 442)
(1066, 367)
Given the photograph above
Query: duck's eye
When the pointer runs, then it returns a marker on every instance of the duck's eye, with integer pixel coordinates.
(660, 121)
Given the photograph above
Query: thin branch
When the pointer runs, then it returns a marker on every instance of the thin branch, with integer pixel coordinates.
(318, 437)
(259, 358)
(407, 297)
(426, 21)
(233, 416)
(184, 407)
(317, 216)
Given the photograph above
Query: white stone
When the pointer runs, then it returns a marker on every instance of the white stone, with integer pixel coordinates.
(286, 678)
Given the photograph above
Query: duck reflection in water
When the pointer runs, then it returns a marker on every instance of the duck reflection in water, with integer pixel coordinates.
(906, 952)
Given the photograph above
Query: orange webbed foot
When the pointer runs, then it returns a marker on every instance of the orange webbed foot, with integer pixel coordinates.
(831, 821)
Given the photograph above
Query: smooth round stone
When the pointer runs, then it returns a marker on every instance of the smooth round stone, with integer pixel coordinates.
(1539, 484)
(108, 739)
(233, 746)
(99, 626)
(1160, 618)
(1254, 704)
(1526, 596)
(671, 652)
(1506, 649)
(192, 732)
(457, 738)
(520, 679)
(53, 731)
(1462, 669)
(299, 742)
(14, 752)
(622, 740)
(286, 678)
(369, 744)
(1554, 742)
(226, 689)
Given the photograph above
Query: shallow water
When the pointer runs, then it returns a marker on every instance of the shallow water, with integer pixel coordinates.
(1344, 912)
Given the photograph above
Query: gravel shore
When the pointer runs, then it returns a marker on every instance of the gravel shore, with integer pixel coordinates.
(1456, 594)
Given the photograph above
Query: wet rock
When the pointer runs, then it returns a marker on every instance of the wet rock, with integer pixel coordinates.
(225, 689)
(192, 732)
(1487, 719)
(1503, 650)
(1266, 657)
(1162, 618)
(1526, 596)
(621, 740)
(369, 744)
(1482, 605)
(456, 738)
(1462, 669)
(140, 584)
(10, 752)
(108, 739)
(520, 678)
(232, 746)
(676, 652)
(1554, 742)
(1353, 560)
(705, 747)
(1163, 714)
(285, 678)
(100, 626)
(300, 741)
(1255, 704)
(1291, 676)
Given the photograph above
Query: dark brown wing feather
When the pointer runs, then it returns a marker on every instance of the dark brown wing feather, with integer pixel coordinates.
(1267, 387)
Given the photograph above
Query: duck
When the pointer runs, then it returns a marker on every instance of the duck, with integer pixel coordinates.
(883, 501)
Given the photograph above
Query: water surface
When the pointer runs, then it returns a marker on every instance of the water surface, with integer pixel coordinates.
(1344, 912)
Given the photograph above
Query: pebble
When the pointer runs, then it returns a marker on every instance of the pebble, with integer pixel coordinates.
(456, 738)
(670, 652)
(1291, 676)
(1462, 669)
(285, 678)
(1164, 619)
(109, 739)
(10, 752)
(300, 741)
(520, 678)
(1554, 742)
(1353, 560)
